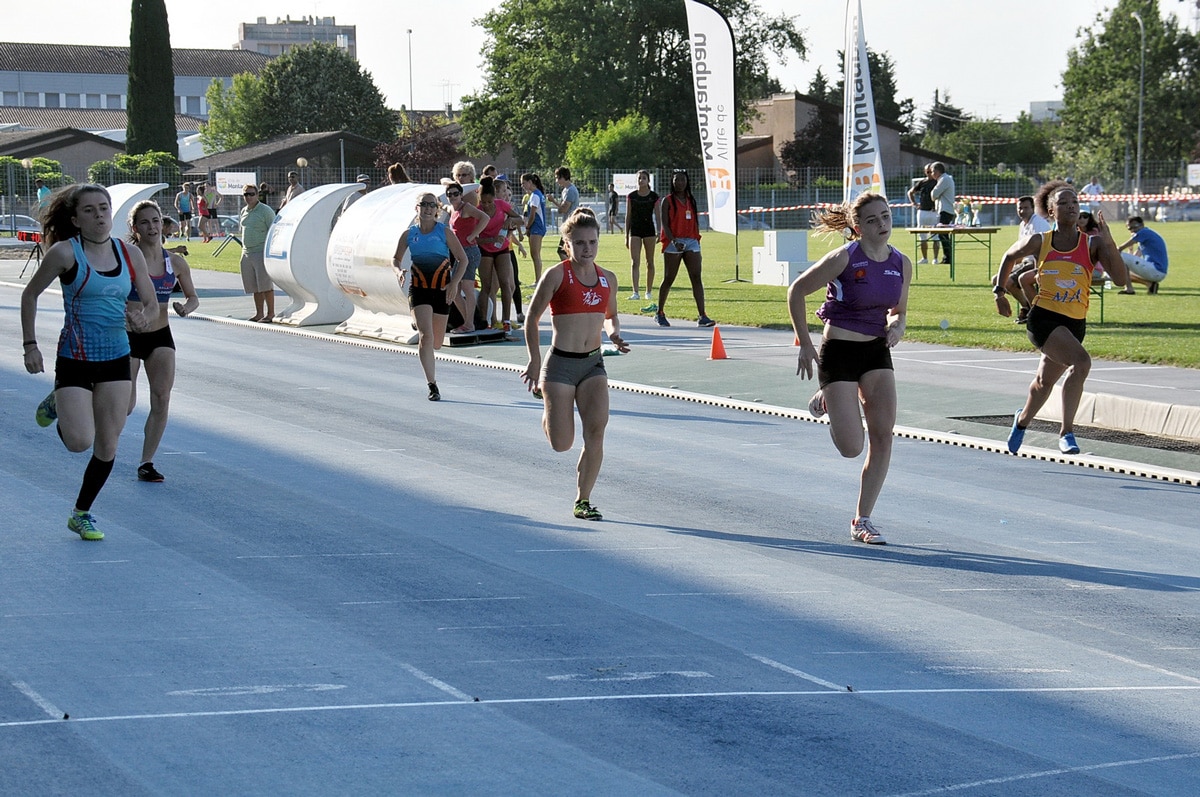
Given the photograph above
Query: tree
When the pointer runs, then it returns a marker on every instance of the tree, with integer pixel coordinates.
(628, 142)
(987, 142)
(1101, 88)
(311, 89)
(150, 124)
(883, 89)
(424, 144)
(941, 120)
(148, 167)
(552, 71)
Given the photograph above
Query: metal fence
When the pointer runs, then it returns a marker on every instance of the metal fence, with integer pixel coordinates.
(766, 197)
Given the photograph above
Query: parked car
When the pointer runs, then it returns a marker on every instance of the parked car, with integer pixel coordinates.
(13, 223)
(229, 225)
(1178, 211)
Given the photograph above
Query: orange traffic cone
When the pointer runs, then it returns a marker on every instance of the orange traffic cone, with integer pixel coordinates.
(718, 348)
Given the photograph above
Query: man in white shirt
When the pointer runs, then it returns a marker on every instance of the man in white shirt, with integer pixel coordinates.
(1090, 194)
(943, 199)
(1022, 282)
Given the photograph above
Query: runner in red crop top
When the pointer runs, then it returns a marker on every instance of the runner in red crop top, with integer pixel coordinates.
(582, 298)
(573, 296)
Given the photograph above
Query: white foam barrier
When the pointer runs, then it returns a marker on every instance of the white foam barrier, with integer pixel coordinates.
(359, 261)
(295, 256)
(124, 196)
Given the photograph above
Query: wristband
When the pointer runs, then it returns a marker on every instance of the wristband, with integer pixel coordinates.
(999, 290)
(29, 343)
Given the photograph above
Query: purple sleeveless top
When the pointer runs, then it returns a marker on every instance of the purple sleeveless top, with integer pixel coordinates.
(859, 299)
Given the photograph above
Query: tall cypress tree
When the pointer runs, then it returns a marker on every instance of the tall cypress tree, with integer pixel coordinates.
(151, 104)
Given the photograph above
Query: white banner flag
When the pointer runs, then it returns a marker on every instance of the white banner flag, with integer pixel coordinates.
(861, 156)
(710, 40)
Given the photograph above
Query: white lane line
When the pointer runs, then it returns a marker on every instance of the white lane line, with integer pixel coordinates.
(465, 700)
(793, 671)
(1049, 773)
(435, 683)
(432, 600)
(45, 705)
(323, 555)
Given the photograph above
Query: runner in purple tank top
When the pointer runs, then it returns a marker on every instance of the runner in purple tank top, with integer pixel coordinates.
(866, 297)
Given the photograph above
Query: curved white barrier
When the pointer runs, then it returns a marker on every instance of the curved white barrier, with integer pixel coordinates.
(360, 261)
(124, 197)
(295, 256)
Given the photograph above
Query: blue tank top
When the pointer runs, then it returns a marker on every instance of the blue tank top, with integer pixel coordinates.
(859, 299)
(163, 285)
(430, 256)
(94, 302)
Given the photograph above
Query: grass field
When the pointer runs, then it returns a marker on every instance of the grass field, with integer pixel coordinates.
(1146, 329)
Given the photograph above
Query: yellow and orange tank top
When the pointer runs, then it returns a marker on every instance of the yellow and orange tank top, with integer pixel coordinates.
(1064, 278)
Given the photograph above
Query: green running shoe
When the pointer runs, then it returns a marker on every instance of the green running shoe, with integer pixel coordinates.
(47, 411)
(83, 524)
(585, 511)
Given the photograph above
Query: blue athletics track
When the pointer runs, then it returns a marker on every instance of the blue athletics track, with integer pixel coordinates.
(343, 588)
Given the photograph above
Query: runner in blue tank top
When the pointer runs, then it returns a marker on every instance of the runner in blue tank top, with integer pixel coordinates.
(866, 299)
(91, 381)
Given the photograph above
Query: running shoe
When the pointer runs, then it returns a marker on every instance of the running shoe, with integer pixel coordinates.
(47, 411)
(585, 511)
(521, 316)
(635, 296)
(650, 308)
(923, 261)
(1016, 435)
(83, 524)
(148, 473)
(1023, 315)
(1067, 444)
(661, 320)
(705, 321)
(816, 404)
(434, 394)
(863, 530)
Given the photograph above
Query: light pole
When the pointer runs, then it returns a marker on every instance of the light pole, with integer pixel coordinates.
(410, 80)
(1137, 185)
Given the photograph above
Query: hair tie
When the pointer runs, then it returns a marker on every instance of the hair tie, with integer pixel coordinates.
(847, 232)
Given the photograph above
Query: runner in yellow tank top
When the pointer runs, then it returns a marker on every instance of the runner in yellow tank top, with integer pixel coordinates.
(1058, 320)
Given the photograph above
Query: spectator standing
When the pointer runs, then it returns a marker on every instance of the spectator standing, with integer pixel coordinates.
(1149, 266)
(614, 201)
(185, 206)
(1090, 194)
(293, 190)
(467, 222)
(256, 220)
(943, 198)
(567, 203)
(1022, 282)
(364, 180)
(679, 222)
(921, 194)
(397, 174)
(43, 198)
(535, 219)
(640, 235)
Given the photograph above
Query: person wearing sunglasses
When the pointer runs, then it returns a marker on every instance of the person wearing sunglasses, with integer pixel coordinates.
(433, 283)
(256, 220)
(468, 223)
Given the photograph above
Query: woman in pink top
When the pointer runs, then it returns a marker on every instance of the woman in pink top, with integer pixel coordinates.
(495, 273)
(468, 223)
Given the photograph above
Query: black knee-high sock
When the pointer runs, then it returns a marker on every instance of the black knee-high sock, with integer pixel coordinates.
(94, 477)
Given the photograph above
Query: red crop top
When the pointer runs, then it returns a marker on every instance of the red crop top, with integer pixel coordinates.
(573, 296)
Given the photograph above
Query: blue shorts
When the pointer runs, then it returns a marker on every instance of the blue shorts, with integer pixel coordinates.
(538, 227)
(688, 245)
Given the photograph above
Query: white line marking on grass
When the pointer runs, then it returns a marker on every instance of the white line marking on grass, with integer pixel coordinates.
(1049, 773)
(45, 705)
